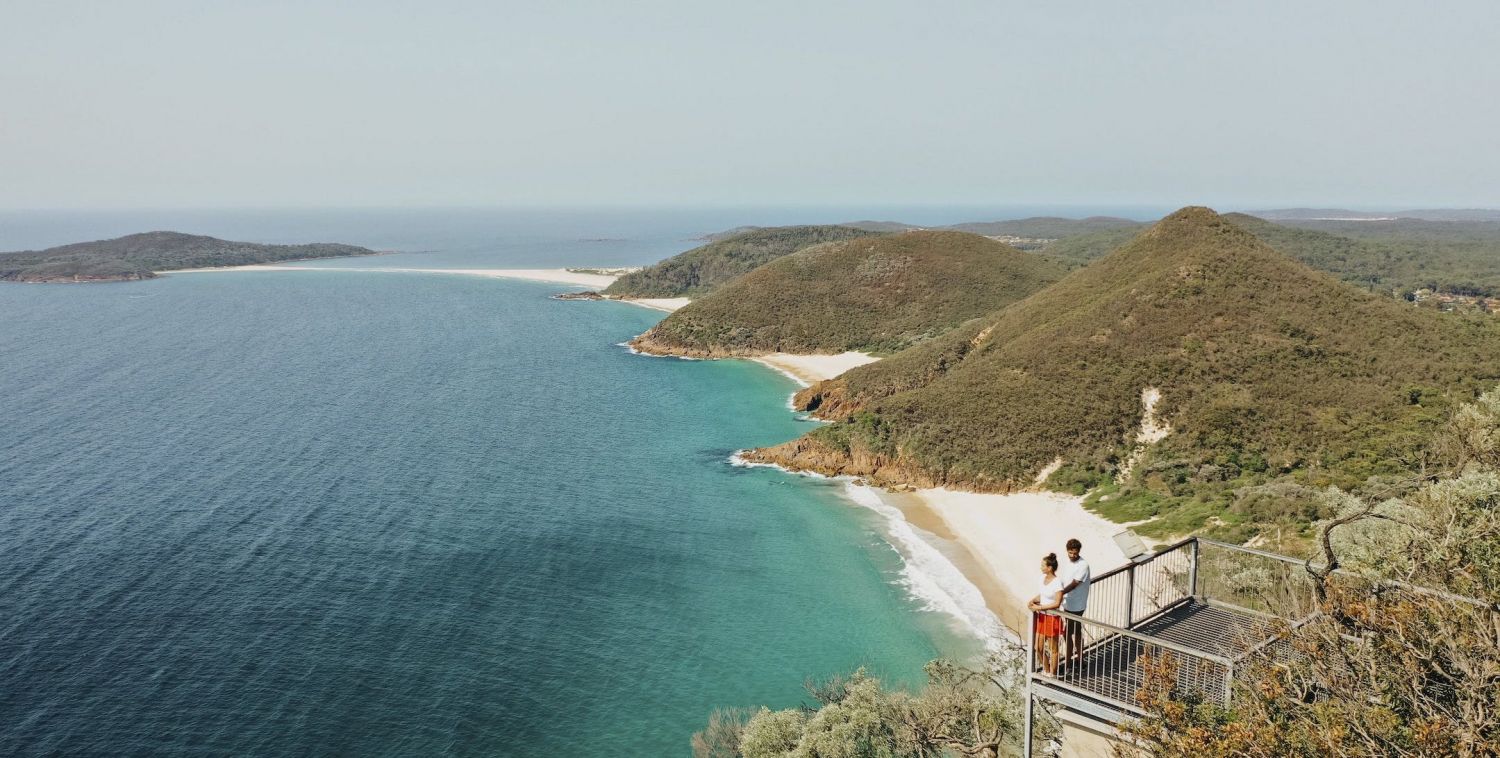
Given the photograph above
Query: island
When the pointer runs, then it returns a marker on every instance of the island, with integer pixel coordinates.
(144, 256)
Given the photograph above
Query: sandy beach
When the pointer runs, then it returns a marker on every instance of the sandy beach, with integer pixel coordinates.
(558, 275)
(667, 304)
(555, 275)
(807, 369)
(1007, 535)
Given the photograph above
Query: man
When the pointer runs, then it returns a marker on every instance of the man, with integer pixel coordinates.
(1076, 577)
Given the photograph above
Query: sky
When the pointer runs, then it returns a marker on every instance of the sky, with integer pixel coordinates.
(1358, 103)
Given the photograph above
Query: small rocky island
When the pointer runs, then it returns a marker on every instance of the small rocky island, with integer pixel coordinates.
(141, 256)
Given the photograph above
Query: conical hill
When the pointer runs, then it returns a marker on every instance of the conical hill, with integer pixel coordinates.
(876, 294)
(703, 269)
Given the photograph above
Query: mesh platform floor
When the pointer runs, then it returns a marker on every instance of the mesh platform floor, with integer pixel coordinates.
(1112, 666)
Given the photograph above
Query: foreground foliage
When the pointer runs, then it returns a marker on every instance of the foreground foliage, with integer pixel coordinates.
(960, 712)
(1405, 658)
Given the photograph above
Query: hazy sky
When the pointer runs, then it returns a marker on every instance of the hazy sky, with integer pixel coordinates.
(1357, 103)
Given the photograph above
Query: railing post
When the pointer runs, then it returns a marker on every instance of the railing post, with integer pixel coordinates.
(1193, 572)
(1130, 596)
(1030, 698)
(1228, 683)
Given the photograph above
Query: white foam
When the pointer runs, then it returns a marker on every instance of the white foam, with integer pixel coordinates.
(801, 383)
(738, 459)
(634, 351)
(926, 574)
(930, 577)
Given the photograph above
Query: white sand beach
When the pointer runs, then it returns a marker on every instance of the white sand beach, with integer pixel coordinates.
(667, 304)
(1007, 535)
(808, 369)
(558, 275)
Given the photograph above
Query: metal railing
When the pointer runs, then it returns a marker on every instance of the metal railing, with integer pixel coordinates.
(1254, 581)
(1200, 608)
(1239, 596)
(1126, 596)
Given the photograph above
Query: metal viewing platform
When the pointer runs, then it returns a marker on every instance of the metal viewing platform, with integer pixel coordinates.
(1207, 606)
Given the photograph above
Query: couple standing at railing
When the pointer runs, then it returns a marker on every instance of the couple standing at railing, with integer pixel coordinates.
(1066, 590)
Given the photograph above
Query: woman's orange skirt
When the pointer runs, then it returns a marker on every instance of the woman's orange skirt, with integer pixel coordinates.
(1048, 625)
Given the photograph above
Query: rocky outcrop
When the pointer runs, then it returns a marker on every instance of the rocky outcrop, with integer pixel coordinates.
(898, 472)
(828, 400)
(652, 343)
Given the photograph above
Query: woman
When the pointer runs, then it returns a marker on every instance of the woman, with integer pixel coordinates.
(1049, 628)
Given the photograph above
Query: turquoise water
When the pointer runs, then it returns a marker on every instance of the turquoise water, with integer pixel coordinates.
(404, 514)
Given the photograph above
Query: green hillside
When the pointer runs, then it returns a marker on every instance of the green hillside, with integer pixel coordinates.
(877, 294)
(702, 269)
(137, 256)
(1079, 249)
(1267, 370)
(1461, 257)
(1394, 258)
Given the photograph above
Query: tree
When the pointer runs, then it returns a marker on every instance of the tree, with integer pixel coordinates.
(961, 711)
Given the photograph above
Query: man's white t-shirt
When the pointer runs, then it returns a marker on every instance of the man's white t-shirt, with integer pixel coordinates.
(1077, 600)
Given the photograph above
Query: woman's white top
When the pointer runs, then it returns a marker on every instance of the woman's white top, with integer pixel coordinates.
(1050, 590)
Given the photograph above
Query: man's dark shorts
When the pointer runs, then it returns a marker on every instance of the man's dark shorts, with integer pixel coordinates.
(1072, 627)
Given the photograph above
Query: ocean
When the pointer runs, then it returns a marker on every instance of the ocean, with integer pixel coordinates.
(412, 514)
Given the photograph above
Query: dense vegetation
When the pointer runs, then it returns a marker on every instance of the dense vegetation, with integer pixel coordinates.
(1397, 257)
(138, 256)
(1270, 374)
(876, 294)
(1455, 252)
(1079, 249)
(703, 269)
(1401, 257)
(960, 712)
(1402, 658)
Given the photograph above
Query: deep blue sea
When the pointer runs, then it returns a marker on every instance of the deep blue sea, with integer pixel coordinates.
(409, 514)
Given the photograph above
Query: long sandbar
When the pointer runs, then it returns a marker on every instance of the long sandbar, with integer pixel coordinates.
(556, 275)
